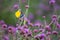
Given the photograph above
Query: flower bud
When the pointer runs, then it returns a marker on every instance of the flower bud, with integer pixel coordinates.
(26, 6)
(55, 32)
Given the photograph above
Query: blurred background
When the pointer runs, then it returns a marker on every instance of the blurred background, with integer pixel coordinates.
(37, 9)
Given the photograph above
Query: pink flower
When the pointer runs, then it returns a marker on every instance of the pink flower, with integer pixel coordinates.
(26, 6)
(4, 26)
(11, 29)
(55, 32)
(52, 2)
(16, 6)
(2, 22)
(35, 30)
(48, 28)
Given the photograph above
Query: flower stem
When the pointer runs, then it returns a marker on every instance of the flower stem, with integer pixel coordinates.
(26, 13)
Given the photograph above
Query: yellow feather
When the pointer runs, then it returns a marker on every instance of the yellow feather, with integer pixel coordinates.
(18, 13)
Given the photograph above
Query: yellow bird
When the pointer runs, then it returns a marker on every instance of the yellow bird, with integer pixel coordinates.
(18, 13)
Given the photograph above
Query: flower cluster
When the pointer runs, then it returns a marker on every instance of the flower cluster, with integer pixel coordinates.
(31, 31)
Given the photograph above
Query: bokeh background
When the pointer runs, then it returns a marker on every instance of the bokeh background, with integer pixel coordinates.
(37, 9)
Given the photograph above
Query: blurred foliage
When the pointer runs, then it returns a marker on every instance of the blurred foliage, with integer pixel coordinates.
(9, 16)
(5, 13)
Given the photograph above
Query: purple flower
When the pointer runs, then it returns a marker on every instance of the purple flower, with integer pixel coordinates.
(54, 32)
(26, 6)
(20, 28)
(30, 33)
(48, 28)
(25, 26)
(4, 26)
(16, 6)
(35, 30)
(26, 19)
(52, 2)
(6, 37)
(43, 39)
(48, 33)
(44, 16)
(30, 16)
(26, 30)
(36, 37)
(23, 30)
(42, 30)
(58, 26)
(11, 29)
(2, 22)
(30, 24)
(54, 18)
(37, 23)
(42, 36)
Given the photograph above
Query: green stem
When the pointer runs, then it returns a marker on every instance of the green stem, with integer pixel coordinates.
(19, 4)
(45, 21)
(26, 13)
(10, 36)
(54, 26)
